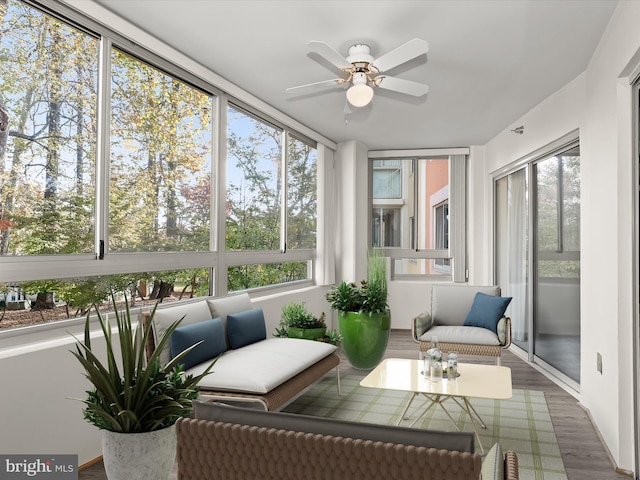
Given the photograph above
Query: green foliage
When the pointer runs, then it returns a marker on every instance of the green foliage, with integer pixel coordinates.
(242, 277)
(372, 295)
(375, 290)
(281, 332)
(134, 396)
(296, 315)
(346, 297)
(332, 337)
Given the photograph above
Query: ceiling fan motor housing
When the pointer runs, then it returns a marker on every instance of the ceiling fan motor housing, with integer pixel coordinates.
(360, 53)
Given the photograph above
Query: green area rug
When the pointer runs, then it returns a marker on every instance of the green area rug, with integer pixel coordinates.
(521, 424)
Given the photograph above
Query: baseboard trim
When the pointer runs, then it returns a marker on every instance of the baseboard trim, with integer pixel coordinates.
(622, 471)
(90, 463)
(616, 468)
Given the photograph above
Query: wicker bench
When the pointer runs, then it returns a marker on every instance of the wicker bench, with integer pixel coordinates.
(226, 442)
(306, 361)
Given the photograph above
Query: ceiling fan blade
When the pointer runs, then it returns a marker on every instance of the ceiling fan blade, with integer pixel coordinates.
(325, 51)
(316, 85)
(410, 50)
(402, 86)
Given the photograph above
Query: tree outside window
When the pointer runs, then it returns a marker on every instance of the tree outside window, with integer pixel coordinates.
(259, 172)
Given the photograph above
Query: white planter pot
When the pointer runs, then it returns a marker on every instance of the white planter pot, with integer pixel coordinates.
(143, 456)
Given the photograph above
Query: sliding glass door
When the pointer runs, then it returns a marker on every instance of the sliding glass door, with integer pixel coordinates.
(557, 262)
(537, 226)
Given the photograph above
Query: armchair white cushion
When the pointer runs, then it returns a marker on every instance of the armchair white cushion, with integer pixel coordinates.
(445, 318)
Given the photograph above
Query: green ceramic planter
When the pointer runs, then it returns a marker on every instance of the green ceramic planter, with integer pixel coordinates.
(364, 337)
(306, 333)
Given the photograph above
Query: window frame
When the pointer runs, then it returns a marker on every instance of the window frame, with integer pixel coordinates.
(252, 257)
(18, 269)
(456, 252)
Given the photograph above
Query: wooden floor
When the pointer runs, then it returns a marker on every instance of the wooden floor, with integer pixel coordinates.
(584, 455)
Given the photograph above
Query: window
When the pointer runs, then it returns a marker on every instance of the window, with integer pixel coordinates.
(410, 212)
(387, 179)
(302, 194)
(441, 230)
(271, 202)
(96, 193)
(386, 227)
(48, 96)
(42, 301)
(160, 184)
(254, 183)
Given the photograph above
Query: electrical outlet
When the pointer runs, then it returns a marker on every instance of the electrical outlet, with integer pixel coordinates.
(599, 362)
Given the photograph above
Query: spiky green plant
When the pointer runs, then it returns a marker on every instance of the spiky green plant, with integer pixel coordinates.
(135, 395)
(332, 337)
(375, 294)
(370, 297)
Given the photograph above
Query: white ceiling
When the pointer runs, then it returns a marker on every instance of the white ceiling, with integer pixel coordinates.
(489, 61)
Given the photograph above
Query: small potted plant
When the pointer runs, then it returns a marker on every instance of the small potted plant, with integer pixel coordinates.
(135, 401)
(297, 322)
(364, 319)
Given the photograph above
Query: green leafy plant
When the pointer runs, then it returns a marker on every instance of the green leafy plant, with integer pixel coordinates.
(332, 337)
(370, 297)
(296, 315)
(135, 395)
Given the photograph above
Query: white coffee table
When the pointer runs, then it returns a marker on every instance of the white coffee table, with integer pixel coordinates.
(475, 381)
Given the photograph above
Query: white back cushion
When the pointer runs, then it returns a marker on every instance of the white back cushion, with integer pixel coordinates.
(164, 317)
(223, 306)
(450, 304)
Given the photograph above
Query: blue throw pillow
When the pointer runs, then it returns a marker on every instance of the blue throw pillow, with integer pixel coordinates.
(213, 343)
(245, 328)
(486, 311)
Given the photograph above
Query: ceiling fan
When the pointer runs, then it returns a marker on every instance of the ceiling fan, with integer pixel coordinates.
(362, 72)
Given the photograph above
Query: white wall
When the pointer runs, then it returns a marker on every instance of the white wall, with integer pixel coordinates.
(592, 103)
(352, 211)
(608, 199)
(36, 414)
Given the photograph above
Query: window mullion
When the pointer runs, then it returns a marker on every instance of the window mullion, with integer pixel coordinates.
(560, 204)
(416, 184)
(284, 168)
(103, 149)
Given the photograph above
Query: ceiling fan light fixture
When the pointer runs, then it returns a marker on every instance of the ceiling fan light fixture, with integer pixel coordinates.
(359, 94)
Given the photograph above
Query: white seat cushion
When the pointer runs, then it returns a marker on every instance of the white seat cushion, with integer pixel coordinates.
(260, 367)
(461, 334)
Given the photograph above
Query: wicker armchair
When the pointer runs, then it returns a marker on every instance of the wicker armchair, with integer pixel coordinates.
(445, 319)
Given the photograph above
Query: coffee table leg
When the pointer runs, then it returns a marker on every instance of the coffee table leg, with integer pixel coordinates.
(441, 403)
(468, 408)
(404, 412)
(424, 412)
